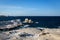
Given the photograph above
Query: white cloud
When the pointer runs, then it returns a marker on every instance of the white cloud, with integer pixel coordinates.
(22, 11)
(15, 10)
(9, 6)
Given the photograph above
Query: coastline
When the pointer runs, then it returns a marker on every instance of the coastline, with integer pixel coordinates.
(32, 34)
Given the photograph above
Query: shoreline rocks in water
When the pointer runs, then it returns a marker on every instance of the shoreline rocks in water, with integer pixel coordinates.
(27, 20)
(14, 23)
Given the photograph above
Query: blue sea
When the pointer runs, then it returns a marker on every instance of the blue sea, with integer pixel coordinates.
(44, 21)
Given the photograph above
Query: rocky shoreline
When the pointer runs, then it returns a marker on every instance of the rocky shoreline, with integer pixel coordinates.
(31, 34)
(14, 23)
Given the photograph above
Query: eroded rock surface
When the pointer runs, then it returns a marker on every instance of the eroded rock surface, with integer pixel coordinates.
(31, 34)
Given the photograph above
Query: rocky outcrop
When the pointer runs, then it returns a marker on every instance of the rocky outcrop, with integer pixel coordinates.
(27, 20)
(31, 34)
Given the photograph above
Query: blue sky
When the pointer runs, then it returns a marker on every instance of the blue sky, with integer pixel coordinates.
(30, 7)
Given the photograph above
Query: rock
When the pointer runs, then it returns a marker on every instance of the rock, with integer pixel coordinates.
(25, 26)
(36, 22)
(30, 21)
(25, 35)
(31, 34)
(26, 20)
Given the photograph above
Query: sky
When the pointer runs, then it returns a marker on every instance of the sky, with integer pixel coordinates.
(30, 7)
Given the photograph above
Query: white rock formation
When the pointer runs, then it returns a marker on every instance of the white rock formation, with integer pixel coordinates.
(32, 34)
(26, 20)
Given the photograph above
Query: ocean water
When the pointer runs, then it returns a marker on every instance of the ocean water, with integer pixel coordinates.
(44, 21)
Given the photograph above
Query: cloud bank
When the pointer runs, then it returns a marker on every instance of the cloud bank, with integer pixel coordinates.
(22, 11)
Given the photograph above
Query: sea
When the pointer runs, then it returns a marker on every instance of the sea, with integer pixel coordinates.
(43, 21)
